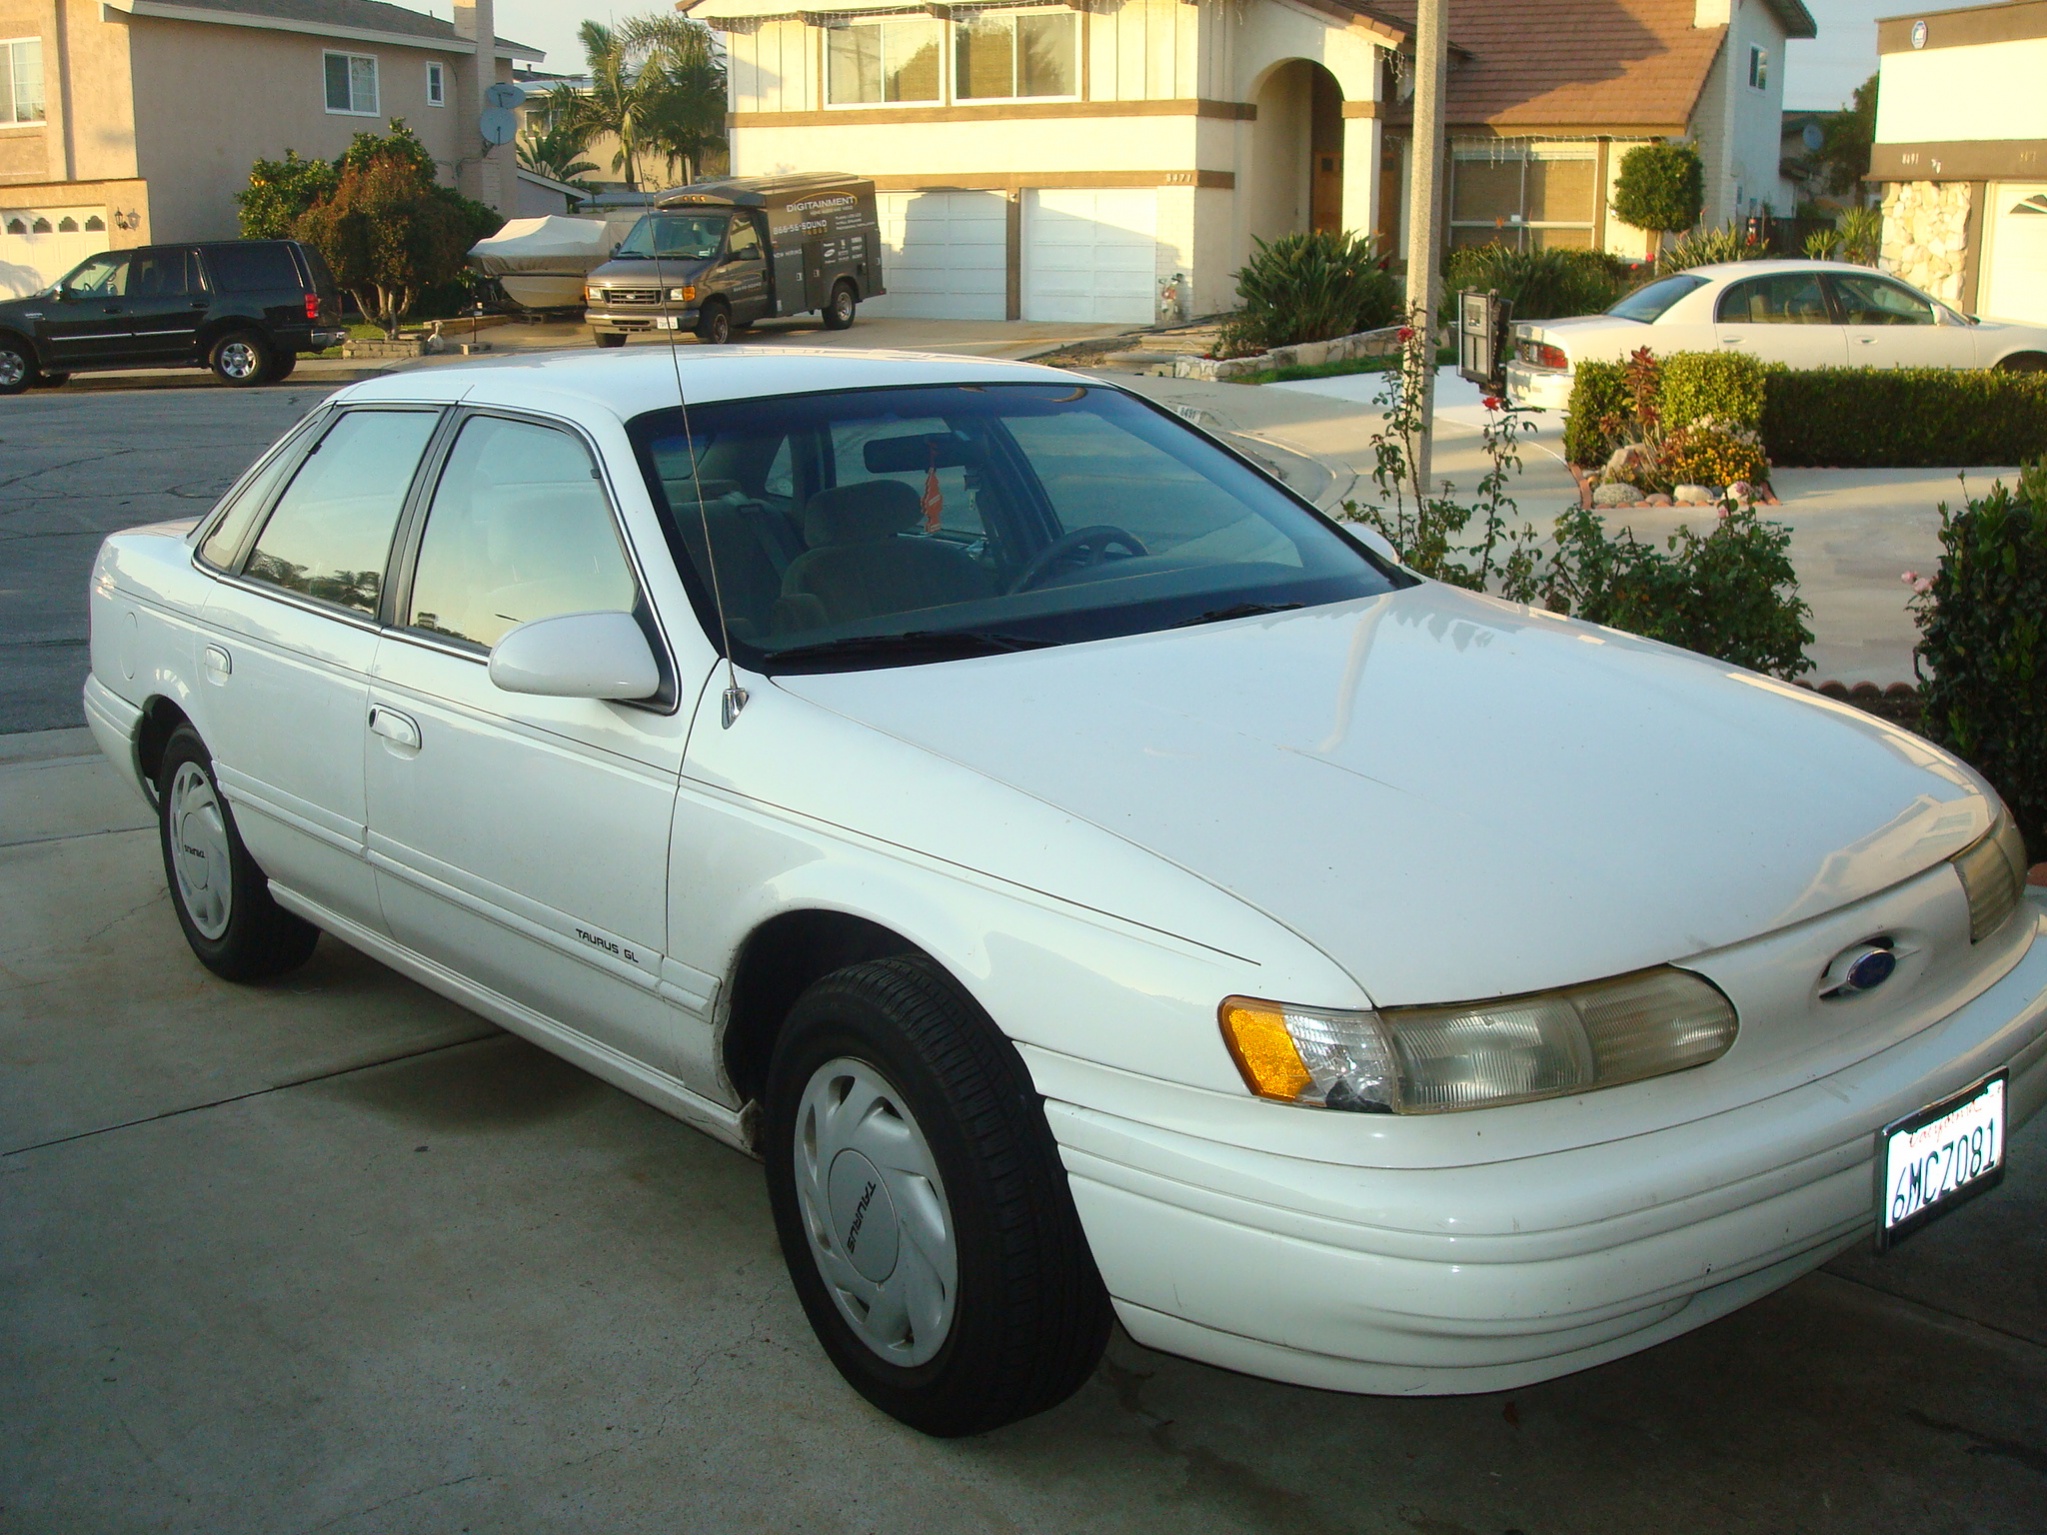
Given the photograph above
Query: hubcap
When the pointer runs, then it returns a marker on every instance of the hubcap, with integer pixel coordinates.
(238, 359)
(13, 368)
(199, 851)
(875, 1213)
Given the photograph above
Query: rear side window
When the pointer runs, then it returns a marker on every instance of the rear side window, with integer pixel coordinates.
(330, 536)
(519, 530)
(1784, 298)
(171, 272)
(1648, 303)
(260, 267)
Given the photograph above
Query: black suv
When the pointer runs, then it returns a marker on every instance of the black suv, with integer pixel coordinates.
(244, 308)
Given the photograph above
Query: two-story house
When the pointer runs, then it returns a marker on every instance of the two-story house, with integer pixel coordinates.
(127, 121)
(1077, 159)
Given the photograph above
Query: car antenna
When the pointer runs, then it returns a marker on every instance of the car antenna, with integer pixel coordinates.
(735, 696)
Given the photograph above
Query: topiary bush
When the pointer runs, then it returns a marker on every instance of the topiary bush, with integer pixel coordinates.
(1661, 187)
(1544, 284)
(1727, 386)
(1878, 418)
(1982, 654)
(1312, 286)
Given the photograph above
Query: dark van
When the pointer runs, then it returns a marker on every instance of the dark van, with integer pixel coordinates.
(715, 256)
(244, 308)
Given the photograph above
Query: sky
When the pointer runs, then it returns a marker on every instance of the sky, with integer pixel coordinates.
(1822, 73)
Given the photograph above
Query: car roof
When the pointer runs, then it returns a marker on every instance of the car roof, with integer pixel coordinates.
(628, 382)
(1764, 268)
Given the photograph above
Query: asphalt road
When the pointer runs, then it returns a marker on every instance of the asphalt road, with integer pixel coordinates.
(334, 1255)
(78, 465)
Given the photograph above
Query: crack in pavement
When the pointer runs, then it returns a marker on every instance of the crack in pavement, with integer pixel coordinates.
(2029, 1456)
(1942, 1311)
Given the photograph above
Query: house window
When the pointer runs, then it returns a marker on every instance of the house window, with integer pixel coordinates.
(1759, 68)
(1016, 53)
(872, 62)
(67, 225)
(17, 226)
(436, 85)
(1522, 195)
(21, 81)
(94, 224)
(352, 84)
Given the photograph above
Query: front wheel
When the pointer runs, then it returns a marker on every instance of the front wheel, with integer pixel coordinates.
(714, 326)
(838, 311)
(241, 358)
(17, 368)
(222, 899)
(921, 1205)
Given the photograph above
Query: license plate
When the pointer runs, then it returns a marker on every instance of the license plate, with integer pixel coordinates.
(1937, 1158)
(668, 322)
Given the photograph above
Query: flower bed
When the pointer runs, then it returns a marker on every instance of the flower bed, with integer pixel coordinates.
(1367, 343)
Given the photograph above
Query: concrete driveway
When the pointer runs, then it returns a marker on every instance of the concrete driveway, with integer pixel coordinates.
(333, 1255)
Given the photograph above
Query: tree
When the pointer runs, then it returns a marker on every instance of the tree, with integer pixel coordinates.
(656, 86)
(388, 232)
(281, 190)
(1842, 159)
(555, 153)
(1661, 187)
(687, 118)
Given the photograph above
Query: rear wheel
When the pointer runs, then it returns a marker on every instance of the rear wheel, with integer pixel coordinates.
(242, 358)
(17, 367)
(714, 326)
(610, 338)
(2024, 362)
(921, 1205)
(222, 899)
(838, 310)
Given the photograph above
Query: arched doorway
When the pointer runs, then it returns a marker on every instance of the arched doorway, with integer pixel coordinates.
(1297, 151)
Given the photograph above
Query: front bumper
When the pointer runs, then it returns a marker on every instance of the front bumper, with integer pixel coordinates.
(1486, 1277)
(1543, 387)
(627, 322)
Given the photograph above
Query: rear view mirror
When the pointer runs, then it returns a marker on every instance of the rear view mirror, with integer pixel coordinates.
(904, 455)
(578, 655)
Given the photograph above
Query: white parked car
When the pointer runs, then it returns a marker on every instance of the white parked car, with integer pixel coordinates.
(1805, 314)
(1092, 881)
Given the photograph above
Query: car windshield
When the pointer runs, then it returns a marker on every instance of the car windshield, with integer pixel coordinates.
(675, 236)
(886, 526)
(1648, 302)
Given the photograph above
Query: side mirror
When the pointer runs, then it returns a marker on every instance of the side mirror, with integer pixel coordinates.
(1372, 539)
(578, 655)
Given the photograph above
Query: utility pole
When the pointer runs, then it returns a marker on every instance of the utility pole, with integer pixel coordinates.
(1424, 207)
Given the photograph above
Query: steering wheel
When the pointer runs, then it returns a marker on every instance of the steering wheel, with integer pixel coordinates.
(1093, 544)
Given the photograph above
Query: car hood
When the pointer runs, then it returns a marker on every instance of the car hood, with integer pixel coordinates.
(1452, 797)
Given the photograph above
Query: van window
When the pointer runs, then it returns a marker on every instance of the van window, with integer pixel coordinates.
(257, 267)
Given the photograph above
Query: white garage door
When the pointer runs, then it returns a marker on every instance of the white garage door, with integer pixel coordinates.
(1090, 256)
(945, 256)
(2015, 287)
(39, 245)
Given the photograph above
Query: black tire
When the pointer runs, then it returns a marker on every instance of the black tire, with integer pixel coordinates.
(714, 325)
(1029, 1316)
(610, 338)
(17, 366)
(838, 309)
(254, 938)
(52, 380)
(242, 359)
(2024, 362)
(281, 366)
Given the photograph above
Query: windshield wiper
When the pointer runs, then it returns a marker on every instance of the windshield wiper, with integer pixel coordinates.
(936, 644)
(1238, 610)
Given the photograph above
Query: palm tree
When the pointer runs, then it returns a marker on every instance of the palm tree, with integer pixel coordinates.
(556, 152)
(655, 85)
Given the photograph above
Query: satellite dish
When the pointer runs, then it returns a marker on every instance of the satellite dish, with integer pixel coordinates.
(499, 126)
(504, 94)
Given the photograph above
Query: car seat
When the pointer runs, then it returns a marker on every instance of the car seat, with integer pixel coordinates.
(860, 566)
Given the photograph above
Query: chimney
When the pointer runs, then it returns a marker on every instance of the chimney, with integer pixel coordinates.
(488, 176)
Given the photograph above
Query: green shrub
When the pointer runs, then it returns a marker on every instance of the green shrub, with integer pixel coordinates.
(1545, 284)
(1982, 654)
(1903, 417)
(1661, 187)
(1730, 593)
(1310, 287)
(279, 191)
(1599, 392)
(1709, 247)
(1862, 235)
(1725, 385)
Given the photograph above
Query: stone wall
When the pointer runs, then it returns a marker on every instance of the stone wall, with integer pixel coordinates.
(1926, 234)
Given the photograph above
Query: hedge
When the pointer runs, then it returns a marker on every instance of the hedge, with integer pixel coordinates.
(1852, 418)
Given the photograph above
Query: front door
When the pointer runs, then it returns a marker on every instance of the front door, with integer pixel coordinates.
(744, 274)
(86, 319)
(166, 301)
(1890, 326)
(288, 641)
(522, 841)
(1782, 317)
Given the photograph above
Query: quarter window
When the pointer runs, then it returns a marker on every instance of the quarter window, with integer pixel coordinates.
(1789, 298)
(225, 541)
(436, 85)
(1875, 301)
(519, 530)
(330, 536)
(21, 81)
(1022, 53)
(352, 84)
(871, 62)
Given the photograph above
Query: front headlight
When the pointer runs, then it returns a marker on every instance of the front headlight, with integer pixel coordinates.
(1993, 871)
(685, 295)
(1429, 1060)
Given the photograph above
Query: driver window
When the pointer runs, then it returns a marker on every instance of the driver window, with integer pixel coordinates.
(519, 529)
(1867, 300)
(102, 277)
(746, 240)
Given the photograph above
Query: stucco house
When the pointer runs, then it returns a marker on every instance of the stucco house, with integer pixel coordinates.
(1961, 155)
(127, 121)
(1087, 159)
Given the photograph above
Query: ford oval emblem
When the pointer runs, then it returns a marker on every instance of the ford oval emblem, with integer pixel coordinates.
(1855, 970)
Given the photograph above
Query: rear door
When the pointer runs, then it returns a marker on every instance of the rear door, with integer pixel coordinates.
(1780, 317)
(167, 300)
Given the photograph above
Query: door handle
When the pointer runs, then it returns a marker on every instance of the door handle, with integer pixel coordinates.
(1867, 340)
(393, 726)
(219, 664)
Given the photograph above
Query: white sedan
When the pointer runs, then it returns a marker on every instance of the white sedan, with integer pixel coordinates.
(1804, 314)
(1094, 883)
